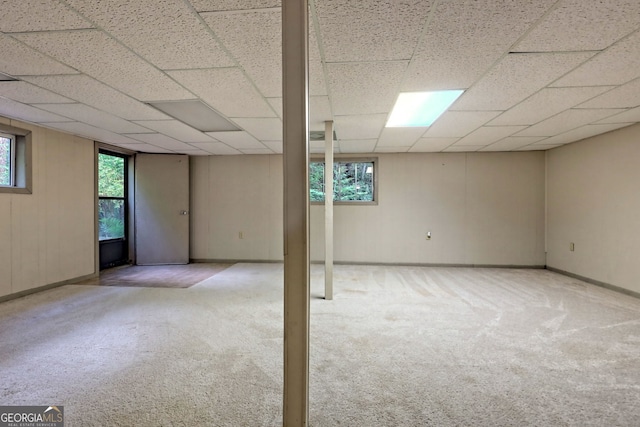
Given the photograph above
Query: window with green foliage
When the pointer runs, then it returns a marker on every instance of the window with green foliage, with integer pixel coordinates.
(7, 160)
(353, 181)
(112, 196)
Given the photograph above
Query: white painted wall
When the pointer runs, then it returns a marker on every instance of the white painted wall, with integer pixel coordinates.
(48, 236)
(594, 202)
(482, 208)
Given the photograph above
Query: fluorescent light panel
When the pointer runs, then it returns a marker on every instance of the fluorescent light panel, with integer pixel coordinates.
(196, 114)
(421, 109)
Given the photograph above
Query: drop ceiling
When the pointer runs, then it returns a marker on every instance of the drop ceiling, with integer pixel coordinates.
(537, 74)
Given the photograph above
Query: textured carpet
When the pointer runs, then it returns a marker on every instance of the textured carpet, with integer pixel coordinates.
(397, 346)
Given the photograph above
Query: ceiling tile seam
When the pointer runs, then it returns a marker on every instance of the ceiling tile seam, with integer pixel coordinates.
(574, 68)
(226, 50)
(637, 79)
(321, 50)
(239, 11)
(67, 30)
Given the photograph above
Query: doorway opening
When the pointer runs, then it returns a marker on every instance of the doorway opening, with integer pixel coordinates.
(113, 209)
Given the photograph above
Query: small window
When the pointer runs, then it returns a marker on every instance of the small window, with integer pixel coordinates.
(7, 160)
(353, 181)
(15, 160)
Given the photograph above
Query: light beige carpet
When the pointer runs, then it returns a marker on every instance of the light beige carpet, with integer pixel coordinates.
(397, 346)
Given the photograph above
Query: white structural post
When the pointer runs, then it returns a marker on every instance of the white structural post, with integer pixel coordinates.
(328, 210)
(295, 47)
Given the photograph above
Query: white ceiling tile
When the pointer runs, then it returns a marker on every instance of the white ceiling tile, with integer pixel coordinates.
(160, 140)
(39, 15)
(17, 110)
(175, 129)
(365, 88)
(238, 139)
(91, 132)
(546, 103)
(401, 137)
(432, 145)
(166, 33)
(217, 148)
(570, 26)
(145, 148)
(567, 120)
(512, 80)
(254, 38)
(218, 5)
(465, 38)
(380, 149)
(459, 123)
(357, 145)
(512, 143)
(91, 92)
(463, 148)
(359, 127)
(580, 133)
(386, 30)
(489, 134)
(100, 56)
(628, 116)
(275, 146)
(625, 96)
(225, 89)
(17, 59)
(319, 112)
(260, 128)
(276, 104)
(85, 114)
(617, 65)
(29, 94)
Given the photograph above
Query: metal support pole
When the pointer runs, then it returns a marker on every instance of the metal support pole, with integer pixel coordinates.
(295, 40)
(328, 210)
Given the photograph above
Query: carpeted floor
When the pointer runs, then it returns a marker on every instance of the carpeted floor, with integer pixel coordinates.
(398, 346)
(157, 276)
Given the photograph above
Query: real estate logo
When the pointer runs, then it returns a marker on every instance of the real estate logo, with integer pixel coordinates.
(31, 416)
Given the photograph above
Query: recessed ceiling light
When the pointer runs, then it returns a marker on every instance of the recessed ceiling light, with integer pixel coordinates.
(196, 114)
(421, 109)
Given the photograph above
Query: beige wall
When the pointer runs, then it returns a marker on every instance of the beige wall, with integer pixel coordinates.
(48, 236)
(594, 202)
(481, 208)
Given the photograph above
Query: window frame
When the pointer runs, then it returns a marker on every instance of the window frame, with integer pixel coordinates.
(350, 159)
(12, 159)
(124, 197)
(21, 160)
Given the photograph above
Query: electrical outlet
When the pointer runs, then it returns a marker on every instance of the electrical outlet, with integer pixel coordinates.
(428, 235)
(240, 234)
(572, 246)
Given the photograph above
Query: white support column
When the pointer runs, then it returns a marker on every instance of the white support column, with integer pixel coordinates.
(295, 40)
(328, 210)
